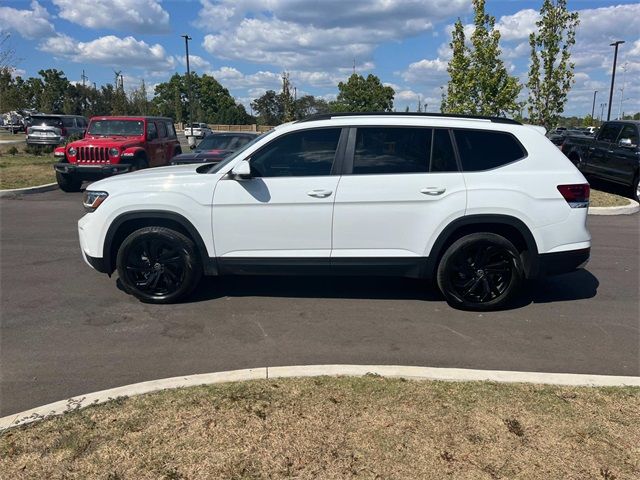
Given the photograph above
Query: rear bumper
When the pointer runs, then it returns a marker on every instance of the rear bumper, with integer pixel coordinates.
(44, 140)
(558, 263)
(92, 171)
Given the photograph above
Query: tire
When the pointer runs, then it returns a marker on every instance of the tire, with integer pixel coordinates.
(158, 265)
(635, 188)
(68, 183)
(139, 163)
(480, 271)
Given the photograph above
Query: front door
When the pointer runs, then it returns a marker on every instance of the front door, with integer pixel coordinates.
(599, 161)
(624, 161)
(281, 215)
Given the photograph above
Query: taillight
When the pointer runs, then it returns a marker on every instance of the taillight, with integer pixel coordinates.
(577, 195)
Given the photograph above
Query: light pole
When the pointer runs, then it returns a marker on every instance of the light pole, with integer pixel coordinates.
(186, 45)
(593, 107)
(613, 74)
(624, 74)
(602, 105)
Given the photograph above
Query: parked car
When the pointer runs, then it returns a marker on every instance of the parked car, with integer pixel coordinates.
(54, 129)
(214, 147)
(558, 138)
(198, 130)
(115, 145)
(477, 203)
(613, 155)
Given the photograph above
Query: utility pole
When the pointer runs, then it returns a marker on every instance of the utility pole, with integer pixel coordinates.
(419, 103)
(602, 105)
(593, 108)
(186, 45)
(624, 74)
(613, 74)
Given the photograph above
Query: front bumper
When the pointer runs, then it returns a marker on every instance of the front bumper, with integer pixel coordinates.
(558, 263)
(92, 171)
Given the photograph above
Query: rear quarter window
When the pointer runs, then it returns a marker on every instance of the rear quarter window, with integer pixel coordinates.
(484, 150)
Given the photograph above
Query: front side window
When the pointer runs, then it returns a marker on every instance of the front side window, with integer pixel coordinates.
(298, 154)
(630, 132)
(609, 133)
(483, 150)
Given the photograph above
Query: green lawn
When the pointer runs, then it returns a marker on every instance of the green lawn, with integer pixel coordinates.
(22, 170)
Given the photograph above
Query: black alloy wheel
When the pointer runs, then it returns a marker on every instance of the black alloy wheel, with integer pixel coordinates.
(158, 265)
(481, 271)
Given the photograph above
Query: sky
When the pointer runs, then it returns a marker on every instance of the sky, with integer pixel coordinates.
(246, 44)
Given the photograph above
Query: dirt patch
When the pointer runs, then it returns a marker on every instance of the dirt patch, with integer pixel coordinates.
(604, 199)
(339, 428)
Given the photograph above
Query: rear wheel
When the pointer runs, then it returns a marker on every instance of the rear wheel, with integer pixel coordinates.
(635, 188)
(480, 271)
(158, 265)
(68, 183)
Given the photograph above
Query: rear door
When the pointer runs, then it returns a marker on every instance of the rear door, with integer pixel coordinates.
(400, 185)
(600, 152)
(154, 145)
(624, 159)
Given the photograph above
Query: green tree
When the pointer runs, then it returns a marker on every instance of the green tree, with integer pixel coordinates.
(481, 83)
(138, 100)
(268, 108)
(286, 100)
(361, 94)
(551, 71)
(310, 105)
(54, 87)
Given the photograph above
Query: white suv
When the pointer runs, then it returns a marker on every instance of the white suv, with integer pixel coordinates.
(477, 204)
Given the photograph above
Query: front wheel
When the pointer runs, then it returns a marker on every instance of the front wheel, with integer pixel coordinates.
(480, 271)
(68, 183)
(158, 265)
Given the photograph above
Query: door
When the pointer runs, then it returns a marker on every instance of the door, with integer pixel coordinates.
(154, 146)
(404, 184)
(282, 214)
(624, 159)
(599, 159)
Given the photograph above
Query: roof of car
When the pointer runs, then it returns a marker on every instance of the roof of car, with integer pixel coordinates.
(128, 117)
(328, 116)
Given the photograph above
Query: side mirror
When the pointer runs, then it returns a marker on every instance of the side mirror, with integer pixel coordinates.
(241, 170)
(626, 143)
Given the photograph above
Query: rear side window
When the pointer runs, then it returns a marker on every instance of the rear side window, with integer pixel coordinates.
(298, 154)
(484, 150)
(162, 130)
(171, 131)
(388, 150)
(68, 122)
(609, 132)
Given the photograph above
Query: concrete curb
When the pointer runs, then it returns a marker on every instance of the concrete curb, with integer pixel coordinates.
(631, 208)
(28, 190)
(391, 371)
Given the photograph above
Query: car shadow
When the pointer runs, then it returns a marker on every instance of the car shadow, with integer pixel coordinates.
(578, 285)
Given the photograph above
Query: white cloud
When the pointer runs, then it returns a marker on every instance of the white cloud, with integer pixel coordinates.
(30, 24)
(138, 16)
(517, 26)
(195, 62)
(110, 51)
(298, 33)
(426, 71)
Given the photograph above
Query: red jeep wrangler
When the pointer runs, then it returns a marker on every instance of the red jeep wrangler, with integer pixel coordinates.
(114, 145)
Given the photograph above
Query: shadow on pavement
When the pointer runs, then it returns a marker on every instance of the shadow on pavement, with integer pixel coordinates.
(578, 285)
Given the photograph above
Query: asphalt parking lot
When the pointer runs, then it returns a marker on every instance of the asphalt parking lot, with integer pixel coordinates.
(67, 330)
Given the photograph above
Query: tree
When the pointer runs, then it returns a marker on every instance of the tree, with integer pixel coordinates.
(310, 105)
(363, 95)
(481, 84)
(268, 108)
(54, 87)
(138, 100)
(551, 71)
(287, 101)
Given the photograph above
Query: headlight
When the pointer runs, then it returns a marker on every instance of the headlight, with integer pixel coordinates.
(114, 152)
(72, 152)
(92, 200)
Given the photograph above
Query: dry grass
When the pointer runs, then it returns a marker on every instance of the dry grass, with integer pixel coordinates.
(604, 199)
(339, 428)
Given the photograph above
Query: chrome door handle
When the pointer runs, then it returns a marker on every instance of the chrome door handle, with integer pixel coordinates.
(320, 193)
(433, 190)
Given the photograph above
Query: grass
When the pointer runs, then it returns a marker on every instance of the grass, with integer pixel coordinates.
(604, 199)
(325, 427)
(20, 168)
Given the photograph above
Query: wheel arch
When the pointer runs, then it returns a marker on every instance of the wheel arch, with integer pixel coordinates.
(128, 222)
(512, 228)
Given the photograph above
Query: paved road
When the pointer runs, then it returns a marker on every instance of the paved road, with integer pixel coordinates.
(67, 330)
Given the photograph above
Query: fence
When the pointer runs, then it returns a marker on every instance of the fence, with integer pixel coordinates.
(232, 128)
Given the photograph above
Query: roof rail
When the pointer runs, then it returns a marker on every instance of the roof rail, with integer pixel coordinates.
(326, 116)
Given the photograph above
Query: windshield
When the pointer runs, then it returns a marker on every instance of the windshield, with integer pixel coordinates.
(223, 142)
(116, 127)
(218, 166)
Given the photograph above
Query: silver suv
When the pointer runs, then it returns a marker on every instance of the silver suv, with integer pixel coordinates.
(54, 129)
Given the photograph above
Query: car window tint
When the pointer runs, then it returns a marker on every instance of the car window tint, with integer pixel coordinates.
(443, 158)
(384, 150)
(484, 150)
(298, 154)
(68, 122)
(151, 131)
(162, 130)
(629, 131)
(171, 131)
(609, 133)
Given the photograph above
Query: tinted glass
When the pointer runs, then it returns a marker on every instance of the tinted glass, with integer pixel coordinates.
(171, 131)
(484, 150)
(223, 142)
(68, 122)
(609, 132)
(298, 154)
(392, 150)
(116, 127)
(629, 131)
(47, 121)
(443, 159)
(151, 131)
(162, 130)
